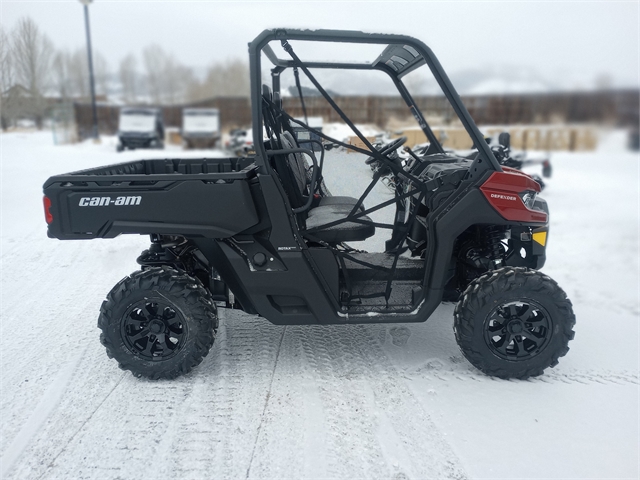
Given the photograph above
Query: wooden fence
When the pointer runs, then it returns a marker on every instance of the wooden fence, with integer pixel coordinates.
(617, 107)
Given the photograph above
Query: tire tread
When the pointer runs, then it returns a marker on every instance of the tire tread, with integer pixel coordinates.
(201, 309)
(489, 285)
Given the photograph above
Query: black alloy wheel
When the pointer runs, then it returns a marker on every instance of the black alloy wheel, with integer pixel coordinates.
(513, 323)
(153, 329)
(158, 323)
(517, 330)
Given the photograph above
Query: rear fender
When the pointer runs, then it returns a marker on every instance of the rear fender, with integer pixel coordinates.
(502, 190)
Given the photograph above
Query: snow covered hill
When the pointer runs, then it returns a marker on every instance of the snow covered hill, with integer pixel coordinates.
(383, 401)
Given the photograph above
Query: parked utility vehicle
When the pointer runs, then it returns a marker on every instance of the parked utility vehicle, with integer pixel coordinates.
(140, 127)
(263, 234)
(200, 127)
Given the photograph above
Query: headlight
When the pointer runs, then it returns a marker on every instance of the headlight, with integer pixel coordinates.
(528, 198)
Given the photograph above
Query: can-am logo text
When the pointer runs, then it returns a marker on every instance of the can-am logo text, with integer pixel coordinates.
(106, 201)
(504, 197)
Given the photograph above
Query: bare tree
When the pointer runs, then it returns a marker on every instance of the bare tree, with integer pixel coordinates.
(33, 53)
(7, 80)
(6, 62)
(78, 73)
(101, 70)
(228, 79)
(60, 74)
(166, 77)
(154, 59)
(237, 79)
(129, 78)
(177, 79)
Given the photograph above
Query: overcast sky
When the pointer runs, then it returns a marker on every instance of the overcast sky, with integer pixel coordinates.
(579, 39)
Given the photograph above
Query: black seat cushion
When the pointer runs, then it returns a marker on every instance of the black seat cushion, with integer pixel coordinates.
(342, 232)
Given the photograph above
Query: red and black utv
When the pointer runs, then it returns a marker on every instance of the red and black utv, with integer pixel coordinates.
(263, 234)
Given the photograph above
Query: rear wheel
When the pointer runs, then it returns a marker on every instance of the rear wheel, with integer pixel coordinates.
(514, 323)
(158, 323)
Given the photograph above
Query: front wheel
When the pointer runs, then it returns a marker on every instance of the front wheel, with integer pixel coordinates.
(514, 323)
(158, 323)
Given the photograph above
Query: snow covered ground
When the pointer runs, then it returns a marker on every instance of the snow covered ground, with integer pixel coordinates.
(392, 402)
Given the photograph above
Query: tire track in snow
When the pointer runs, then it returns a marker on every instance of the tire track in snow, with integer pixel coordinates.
(93, 383)
(458, 369)
(266, 402)
(232, 386)
(83, 424)
(43, 320)
(376, 427)
(215, 440)
(134, 433)
(292, 440)
(48, 403)
(203, 425)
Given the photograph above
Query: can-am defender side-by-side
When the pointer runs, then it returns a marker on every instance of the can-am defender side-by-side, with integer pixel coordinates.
(263, 234)
(140, 127)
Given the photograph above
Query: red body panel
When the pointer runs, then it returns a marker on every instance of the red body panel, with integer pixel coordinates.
(502, 191)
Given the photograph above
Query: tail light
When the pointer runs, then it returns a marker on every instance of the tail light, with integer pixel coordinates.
(47, 209)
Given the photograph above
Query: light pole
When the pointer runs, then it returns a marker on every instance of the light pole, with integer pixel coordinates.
(91, 81)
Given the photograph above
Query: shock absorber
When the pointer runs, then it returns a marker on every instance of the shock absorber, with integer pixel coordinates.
(492, 237)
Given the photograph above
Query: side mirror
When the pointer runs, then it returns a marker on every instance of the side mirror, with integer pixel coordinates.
(504, 139)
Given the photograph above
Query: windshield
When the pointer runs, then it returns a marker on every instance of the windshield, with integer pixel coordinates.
(206, 121)
(137, 122)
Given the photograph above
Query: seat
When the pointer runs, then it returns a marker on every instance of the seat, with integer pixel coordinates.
(303, 169)
(296, 176)
(342, 232)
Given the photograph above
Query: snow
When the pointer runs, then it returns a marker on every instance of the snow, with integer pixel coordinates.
(342, 132)
(379, 401)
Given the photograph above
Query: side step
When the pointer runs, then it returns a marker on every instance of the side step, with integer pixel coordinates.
(406, 268)
(404, 295)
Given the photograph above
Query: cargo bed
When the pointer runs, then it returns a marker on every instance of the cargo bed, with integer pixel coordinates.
(196, 197)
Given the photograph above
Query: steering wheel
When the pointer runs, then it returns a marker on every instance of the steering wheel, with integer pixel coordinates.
(500, 152)
(387, 149)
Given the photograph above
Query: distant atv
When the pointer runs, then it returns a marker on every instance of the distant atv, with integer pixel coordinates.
(240, 142)
(262, 233)
(140, 127)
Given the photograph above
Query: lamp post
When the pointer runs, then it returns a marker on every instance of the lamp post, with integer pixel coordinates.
(91, 81)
